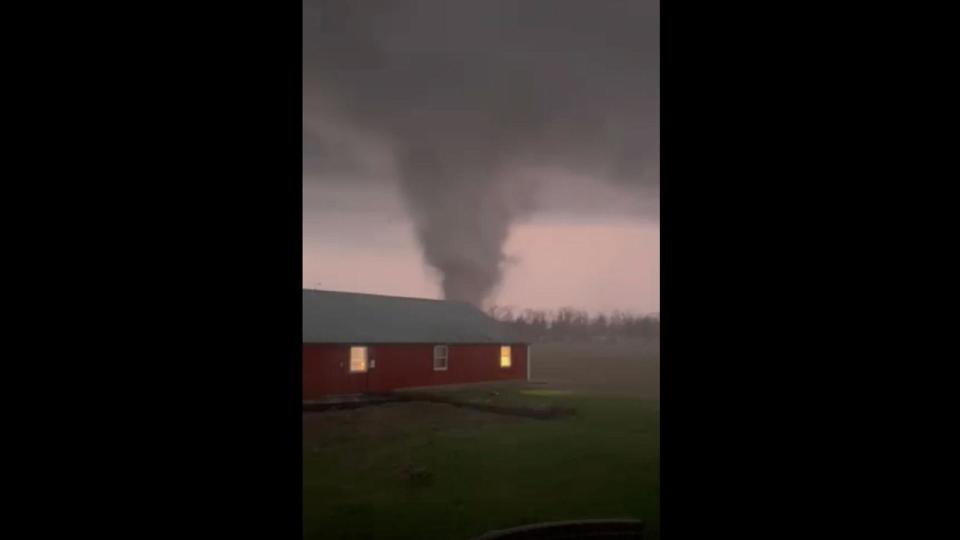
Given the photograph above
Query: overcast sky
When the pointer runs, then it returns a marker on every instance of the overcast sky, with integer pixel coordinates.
(490, 151)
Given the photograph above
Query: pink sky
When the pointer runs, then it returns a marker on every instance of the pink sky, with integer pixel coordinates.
(598, 266)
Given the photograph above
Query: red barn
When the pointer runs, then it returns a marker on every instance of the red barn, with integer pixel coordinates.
(364, 343)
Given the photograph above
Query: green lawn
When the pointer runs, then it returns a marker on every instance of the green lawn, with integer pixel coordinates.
(436, 472)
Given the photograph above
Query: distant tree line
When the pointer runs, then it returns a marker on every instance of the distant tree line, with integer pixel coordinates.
(571, 324)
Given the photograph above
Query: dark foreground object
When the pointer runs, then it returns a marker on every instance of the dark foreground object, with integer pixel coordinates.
(594, 529)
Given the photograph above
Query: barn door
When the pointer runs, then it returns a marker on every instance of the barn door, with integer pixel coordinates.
(358, 369)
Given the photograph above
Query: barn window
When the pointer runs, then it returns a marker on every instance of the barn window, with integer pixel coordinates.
(440, 353)
(505, 356)
(358, 359)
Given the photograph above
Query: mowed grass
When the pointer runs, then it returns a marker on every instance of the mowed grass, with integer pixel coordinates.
(626, 368)
(433, 471)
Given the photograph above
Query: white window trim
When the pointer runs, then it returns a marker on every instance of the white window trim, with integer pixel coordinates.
(446, 357)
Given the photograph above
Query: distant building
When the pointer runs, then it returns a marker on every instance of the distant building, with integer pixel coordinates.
(364, 343)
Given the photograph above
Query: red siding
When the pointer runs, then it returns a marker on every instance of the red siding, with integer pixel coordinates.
(326, 367)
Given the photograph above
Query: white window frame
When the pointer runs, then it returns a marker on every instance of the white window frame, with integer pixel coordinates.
(366, 360)
(436, 356)
(510, 357)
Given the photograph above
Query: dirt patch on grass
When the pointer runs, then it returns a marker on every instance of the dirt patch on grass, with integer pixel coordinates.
(546, 392)
(539, 411)
(390, 420)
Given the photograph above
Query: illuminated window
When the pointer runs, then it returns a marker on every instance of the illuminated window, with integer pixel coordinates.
(358, 359)
(440, 353)
(505, 356)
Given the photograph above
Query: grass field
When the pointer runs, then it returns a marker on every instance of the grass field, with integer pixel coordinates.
(627, 368)
(433, 471)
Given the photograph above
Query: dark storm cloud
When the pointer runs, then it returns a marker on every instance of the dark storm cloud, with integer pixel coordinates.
(467, 92)
(328, 157)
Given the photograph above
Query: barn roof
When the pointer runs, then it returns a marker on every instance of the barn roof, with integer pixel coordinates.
(339, 317)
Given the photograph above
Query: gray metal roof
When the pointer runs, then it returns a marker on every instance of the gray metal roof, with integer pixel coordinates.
(339, 317)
